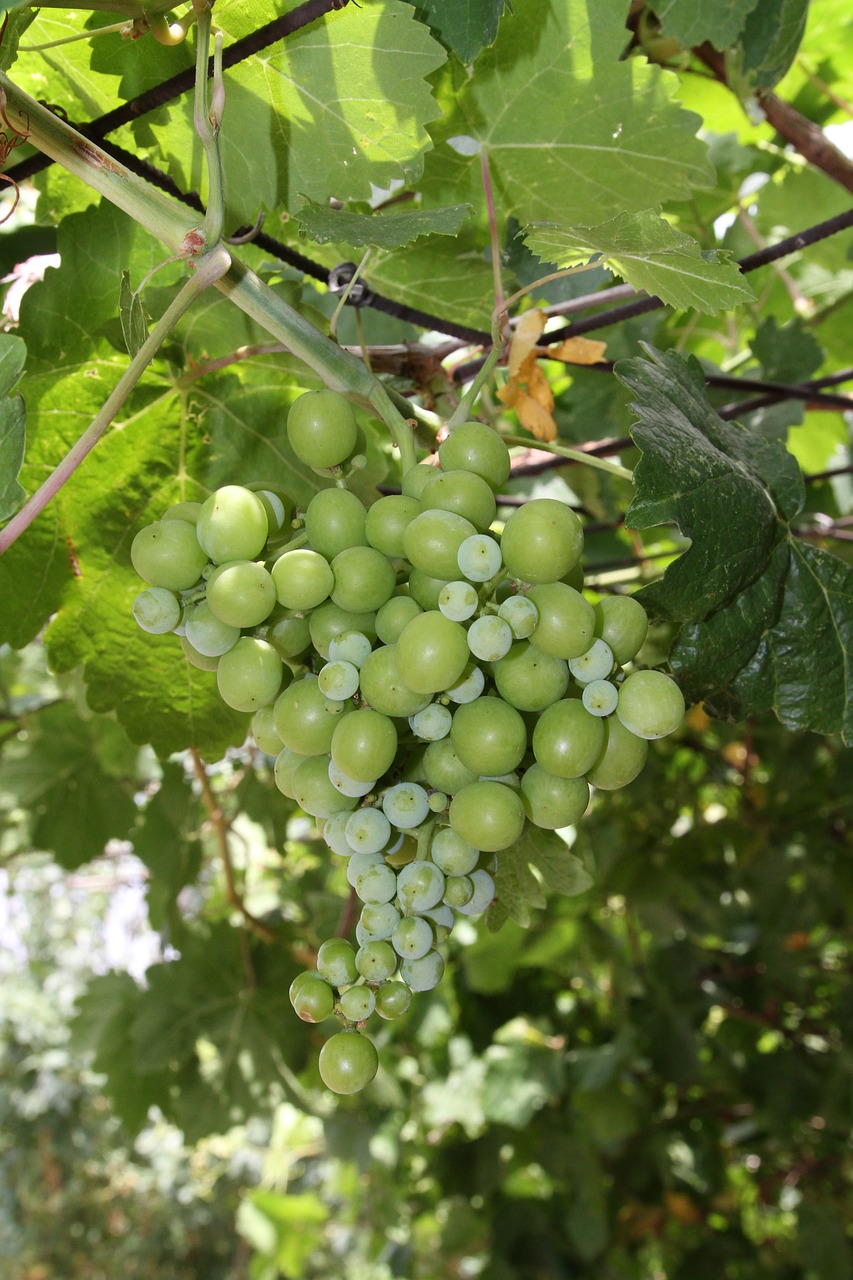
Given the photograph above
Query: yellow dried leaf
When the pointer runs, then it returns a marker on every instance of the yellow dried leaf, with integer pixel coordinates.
(578, 351)
(535, 418)
(538, 385)
(525, 336)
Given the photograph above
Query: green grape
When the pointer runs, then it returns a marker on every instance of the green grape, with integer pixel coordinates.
(442, 920)
(376, 961)
(488, 815)
(567, 740)
(301, 978)
(359, 864)
(387, 520)
(368, 830)
(600, 697)
(349, 646)
(426, 590)
(521, 614)
(650, 705)
(303, 579)
(566, 620)
(393, 616)
(336, 962)
(453, 855)
(203, 661)
(458, 891)
(208, 634)
(432, 542)
(364, 579)
(423, 974)
(157, 610)
(232, 525)
(406, 805)
(241, 593)
(462, 492)
(277, 504)
(314, 792)
(432, 723)
(553, 802)
(393, 1000)
(290, 636)
(263, 731)
(188, 511)
(621, 759)
(483, 895)
(305, 719)
(432, 652)
(489, 638)
(167, 554)
(376, 883)
(413, 936)
(382, 685)
(364, 744)
(346, 785)
(458, 601)
(348, 1062)
(622, 622)
(475, 447)
(595, 664)
(541, 541)
(443, 769)
(479, 558)
(420, 886)
(314, 1001)
(357, 1003)
(334, 520)
(489, 735)
(333, 831)
(338, 680)
(415, 479)
(529, 679)
(329, 621)
(438, 801)
(378, 919)
(286, 764)
(249, 675)
(469, 685)
(321, 428)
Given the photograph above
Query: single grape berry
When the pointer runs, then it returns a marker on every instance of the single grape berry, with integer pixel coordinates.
(348, 1062)
(321, 428)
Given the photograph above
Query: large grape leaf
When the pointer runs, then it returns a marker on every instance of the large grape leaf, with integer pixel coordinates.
(766, 620)
(573, 131)
(650, 254)
(719, 22)
(771, 37)
(464, 26)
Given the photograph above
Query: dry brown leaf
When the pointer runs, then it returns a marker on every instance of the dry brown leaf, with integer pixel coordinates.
(578, 351)
(525, 336)
(535, 418)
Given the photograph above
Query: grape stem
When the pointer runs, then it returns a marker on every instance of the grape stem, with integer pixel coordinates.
(207, 271)
(462, 412)
(575, 455)
(207, 118)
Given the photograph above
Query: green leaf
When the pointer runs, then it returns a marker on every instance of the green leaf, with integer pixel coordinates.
(13, 421)
(719, 22)
(77, 778)
(788, 353)
(16, 24)
(166, 840)
(572, 131)
(519, 888)
(767, 621)
(824, 1247)
(650, 254)
(771, 37)
(465, 26)
(134, 325)
(384, 231)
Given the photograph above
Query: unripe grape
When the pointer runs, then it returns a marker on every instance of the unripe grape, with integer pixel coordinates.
(541, 541)
(303, 579)
(348, 1062)
(167, 554)
(336, 962)
(622, 622)
(393, 1000)
(364, 579)
(489, 735)
(157, 610)
(488, 815)
(566, 625)
(475, 447)
(387, 521)
(650, 704)
(432, 652)
(321, 428)
(314, 792)
(232, 525)
(249, 675)
(357, 1003)
(462, 492)
(553, 802)
(567, 740)
(334, 520)
(241, 593)
(314, 1000)
(622, 757)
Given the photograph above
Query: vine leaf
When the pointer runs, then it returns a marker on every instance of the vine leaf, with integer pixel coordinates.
(539, 856)
(134, 325)
(771, 36)
(650, 254)
(466, 27)
(382, 231)
(574, 131)
(13, 420)
(719, 22)
(766, 620)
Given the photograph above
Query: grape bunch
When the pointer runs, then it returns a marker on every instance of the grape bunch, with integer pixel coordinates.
(428, 686)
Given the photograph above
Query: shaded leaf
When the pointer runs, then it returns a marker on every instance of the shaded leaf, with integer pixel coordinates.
(650, 254)
(519, 888)
(719, 22)
(385, 231)
(464, 26)
(771, 37)
(13, 419)
(134, 325)
(767, 621)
